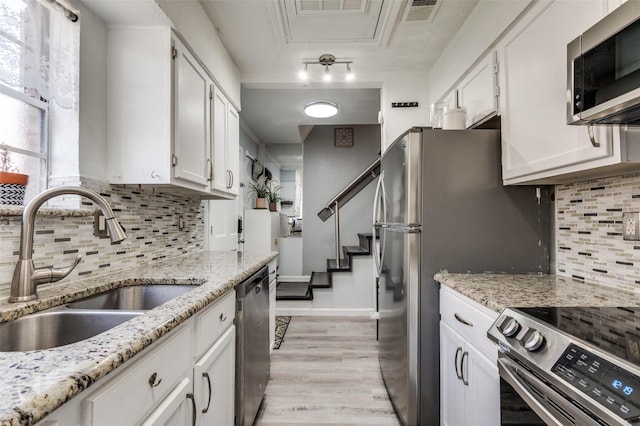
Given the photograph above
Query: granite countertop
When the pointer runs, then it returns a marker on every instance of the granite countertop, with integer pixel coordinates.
(498, 291)
(34, 383)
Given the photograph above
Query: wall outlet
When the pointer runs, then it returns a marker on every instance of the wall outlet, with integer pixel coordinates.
(100, 225)
(631, 226)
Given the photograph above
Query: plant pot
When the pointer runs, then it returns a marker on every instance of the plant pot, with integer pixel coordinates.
(273, 207)
(261, 203)
(12, 188)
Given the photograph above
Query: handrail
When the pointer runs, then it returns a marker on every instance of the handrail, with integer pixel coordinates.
(353, 188)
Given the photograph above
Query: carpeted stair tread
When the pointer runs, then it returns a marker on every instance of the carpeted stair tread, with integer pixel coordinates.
(321, 280)
(294, 291)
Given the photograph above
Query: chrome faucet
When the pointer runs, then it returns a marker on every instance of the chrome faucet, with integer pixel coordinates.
(26, 277)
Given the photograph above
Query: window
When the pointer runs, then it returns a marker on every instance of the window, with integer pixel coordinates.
(38, 76)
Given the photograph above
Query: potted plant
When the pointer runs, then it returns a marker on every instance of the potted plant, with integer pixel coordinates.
(12, 184)
(260, 189)
(273, 196)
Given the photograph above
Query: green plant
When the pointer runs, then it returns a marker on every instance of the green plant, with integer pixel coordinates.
(259, 188)
(273, 196)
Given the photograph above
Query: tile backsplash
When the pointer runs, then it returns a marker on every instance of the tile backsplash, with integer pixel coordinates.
(150, 219)
(589, 231)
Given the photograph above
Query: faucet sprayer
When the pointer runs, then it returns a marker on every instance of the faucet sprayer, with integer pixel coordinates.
(26, 277)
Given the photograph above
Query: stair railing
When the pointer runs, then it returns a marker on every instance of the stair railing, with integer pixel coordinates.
(347, 193)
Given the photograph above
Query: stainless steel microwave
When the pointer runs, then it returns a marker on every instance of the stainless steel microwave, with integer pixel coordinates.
(603, 70)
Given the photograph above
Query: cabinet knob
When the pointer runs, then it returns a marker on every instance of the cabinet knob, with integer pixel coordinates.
(223, 317)
(153, 382)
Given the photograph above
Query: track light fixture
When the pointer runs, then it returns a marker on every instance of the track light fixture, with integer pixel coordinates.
(326, 60)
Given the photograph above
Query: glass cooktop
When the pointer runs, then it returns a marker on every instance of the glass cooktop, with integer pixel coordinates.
(613, 330)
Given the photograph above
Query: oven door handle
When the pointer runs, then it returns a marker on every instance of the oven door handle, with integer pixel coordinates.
(508, 371)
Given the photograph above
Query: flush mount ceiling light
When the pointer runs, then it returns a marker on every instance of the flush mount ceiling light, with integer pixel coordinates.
(321, 109)
(326, 60)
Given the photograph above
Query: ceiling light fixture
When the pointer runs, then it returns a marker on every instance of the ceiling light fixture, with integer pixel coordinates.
(321, 109)
(327, 60)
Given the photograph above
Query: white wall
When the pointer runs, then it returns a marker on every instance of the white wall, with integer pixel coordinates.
(93, 95)
(327, 169)
(403, 87)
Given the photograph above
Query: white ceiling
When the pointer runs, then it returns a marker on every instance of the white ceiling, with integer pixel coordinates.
(270, 39)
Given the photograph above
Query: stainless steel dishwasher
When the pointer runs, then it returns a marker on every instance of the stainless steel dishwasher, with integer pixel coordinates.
(253, 358)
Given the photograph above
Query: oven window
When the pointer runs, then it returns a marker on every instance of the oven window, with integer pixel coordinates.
(513, 409)
(612, 68)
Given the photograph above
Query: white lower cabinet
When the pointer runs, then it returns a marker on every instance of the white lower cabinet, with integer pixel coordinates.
(186, 378)
(214, 382)
(469, 377)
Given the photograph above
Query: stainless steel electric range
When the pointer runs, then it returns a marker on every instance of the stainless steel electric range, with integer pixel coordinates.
(569, 365)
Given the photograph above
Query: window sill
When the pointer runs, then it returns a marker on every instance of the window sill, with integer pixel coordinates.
(9, 211)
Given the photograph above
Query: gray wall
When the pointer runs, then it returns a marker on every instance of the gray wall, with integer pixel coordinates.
(327, 169)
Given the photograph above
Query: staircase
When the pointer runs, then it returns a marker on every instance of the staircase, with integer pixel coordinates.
(343, 262)
(323, 279)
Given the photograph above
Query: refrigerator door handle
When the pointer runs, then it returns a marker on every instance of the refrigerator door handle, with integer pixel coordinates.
(377, 253)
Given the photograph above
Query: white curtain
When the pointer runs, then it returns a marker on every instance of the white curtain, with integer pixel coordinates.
(39, 50)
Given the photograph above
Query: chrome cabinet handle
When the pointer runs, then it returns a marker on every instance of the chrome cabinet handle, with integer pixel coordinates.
(465, 380)
(229, 179)
(152, 380)
(455, 362)
(193, 408)
(206, 375)
(223, 318)
(462, 321)
(592, 136)
(210, 170)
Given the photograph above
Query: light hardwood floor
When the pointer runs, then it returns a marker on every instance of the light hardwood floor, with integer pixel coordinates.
(326, 373)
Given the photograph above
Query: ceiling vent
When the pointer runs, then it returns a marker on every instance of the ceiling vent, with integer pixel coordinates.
(304, 7)
(421, 10)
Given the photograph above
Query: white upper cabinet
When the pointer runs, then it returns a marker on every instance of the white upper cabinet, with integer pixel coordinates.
(537, 144)
(192, 156)
(226, 134)
(162, 118)
(478, 91)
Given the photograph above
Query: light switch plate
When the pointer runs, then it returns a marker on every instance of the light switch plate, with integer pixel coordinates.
(631, 226)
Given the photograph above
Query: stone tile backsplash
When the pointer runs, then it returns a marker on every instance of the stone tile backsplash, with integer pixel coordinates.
(149, 218)
(589, 231)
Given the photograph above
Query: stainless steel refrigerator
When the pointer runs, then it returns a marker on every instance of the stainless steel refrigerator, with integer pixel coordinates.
(440, 206)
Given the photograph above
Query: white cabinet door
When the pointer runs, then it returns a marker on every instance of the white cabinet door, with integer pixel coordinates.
(226, 141)
(232, 146)
(477, 93)
(535, 135)
(452, 389)
(191, 128)
(214, 382)
(220, 176)
(177, 409)
(483, 392)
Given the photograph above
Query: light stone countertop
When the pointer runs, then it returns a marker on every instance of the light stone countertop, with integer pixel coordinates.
(34, 383)
(498, 291)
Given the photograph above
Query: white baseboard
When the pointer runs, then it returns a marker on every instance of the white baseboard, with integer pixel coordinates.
(294, 278)
(309, 311)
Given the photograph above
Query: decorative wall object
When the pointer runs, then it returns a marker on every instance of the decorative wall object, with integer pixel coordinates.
(343, 137)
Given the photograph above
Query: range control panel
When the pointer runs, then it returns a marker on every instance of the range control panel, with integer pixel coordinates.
(609, 385)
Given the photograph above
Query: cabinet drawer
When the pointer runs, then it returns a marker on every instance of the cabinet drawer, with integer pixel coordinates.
(468, 318)
(273, 269)
(128, 398)
(214, 321)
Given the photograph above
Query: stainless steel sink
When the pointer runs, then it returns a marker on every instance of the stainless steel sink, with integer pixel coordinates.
(57, 327)
(133, 298)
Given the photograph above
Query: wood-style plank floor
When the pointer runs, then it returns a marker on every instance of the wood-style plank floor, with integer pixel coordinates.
(326, 373)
